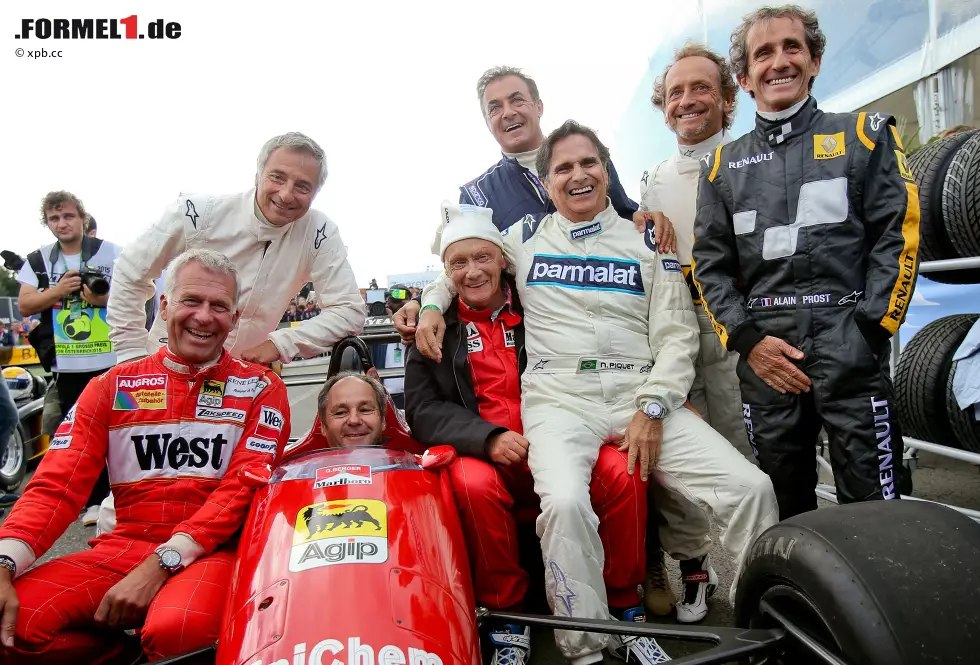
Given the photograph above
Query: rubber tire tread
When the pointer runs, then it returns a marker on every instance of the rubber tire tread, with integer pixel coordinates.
(894, 580)
(961, 198)
(921, 377)
(928, 167)
(965, 425)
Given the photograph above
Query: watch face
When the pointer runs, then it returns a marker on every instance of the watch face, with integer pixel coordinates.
(170, 558)
(654, 410)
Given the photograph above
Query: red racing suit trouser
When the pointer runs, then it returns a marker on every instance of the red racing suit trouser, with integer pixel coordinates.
(186, 449)
(492, 497)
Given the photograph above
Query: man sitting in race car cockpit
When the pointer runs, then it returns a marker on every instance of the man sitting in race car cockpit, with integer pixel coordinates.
(188, 433)
(472, 401)
(351, 410)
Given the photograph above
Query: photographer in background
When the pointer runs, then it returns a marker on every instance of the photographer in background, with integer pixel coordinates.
(388, 356)
(67, 282)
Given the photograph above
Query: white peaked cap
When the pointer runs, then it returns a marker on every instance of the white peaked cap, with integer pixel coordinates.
(462, 222)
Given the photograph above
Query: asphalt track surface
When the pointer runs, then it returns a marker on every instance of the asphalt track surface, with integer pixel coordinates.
(936, 478)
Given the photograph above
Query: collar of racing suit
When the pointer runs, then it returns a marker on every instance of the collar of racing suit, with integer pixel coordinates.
(791, 122)
(606, 217)
(177, 365)
(265, 230)
(526, 159)
(707, 146)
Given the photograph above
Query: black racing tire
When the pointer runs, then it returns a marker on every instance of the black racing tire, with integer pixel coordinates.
(961, 198)
(921, 377)
(929, 166)
(964, 423)
(877, 583)
(13, 462)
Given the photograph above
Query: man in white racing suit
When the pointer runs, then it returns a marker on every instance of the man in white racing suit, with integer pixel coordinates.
(696, 93)
(276, 241)
(611, 338)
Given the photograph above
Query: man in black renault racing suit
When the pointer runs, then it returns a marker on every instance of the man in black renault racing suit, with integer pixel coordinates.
(805, 249)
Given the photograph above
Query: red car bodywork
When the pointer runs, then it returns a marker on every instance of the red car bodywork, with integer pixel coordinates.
(352, 557)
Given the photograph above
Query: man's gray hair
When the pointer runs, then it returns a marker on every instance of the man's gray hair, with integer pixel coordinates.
(495, 73)
(380, 394)
(569, 128)
(816, 41)
(296, 141)
(729, 88)
(208, 259)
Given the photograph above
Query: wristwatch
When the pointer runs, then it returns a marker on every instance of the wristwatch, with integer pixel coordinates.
(169, 559)
(655, 410)
(8, 563)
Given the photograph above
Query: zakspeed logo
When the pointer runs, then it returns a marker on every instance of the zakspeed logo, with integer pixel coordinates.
(589, 272)
(883, 434)
(357, 654)
(96, 28)
(158, 451)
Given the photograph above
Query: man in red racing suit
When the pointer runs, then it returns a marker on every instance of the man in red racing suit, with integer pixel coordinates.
(472, 401)
(186, 444)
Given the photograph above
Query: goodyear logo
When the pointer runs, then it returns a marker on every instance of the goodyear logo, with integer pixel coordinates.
(586, 272)
(339, 532)
(828, 146)
(140, 392)
(903, 166)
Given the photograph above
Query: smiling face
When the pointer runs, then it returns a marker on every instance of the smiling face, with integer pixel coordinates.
(695, 109)
(475, 266)
(780, 67)
(577, 181)
(350, 416)
(512, 115)
(200, 314)
(287, 185)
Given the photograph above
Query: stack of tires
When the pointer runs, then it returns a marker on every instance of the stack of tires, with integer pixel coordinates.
(924, 386)
(947, 172)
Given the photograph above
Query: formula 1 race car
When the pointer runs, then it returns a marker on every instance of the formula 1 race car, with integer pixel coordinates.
(356, 557)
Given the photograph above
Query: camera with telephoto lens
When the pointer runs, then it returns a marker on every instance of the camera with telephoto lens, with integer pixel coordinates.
(96, 282)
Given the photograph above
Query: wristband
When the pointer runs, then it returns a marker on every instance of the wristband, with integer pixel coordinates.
(435, 307)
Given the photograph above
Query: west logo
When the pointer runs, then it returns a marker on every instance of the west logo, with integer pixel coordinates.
(271, 418)
(577, 272)
(140, 392)
(159, 451)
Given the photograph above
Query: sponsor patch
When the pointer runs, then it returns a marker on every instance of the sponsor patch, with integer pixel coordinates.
(509, 339)
(67, 423)
(829, 146)
(650, 236)
(261, 445)
(229, 415)
(339, 532)
(586, 272)
(580, 232)
(474, 342)
(755, 159)
(594, 365)
(60, 442)
(357, 652)
(347, 474)
(236, 386)
(170, 450)
(903, 166)
(671, 265)
(476, 195)
(140, 392)
(212, 393)
(271, 419)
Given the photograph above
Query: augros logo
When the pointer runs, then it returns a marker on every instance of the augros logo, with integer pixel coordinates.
(97, 28)
(588, 272)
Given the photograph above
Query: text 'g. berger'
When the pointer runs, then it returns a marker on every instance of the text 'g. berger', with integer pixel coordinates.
(588, 272)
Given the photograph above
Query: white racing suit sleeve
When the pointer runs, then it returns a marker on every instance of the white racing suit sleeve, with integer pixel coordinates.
(139, 263)
(674, 337)
(342, 310)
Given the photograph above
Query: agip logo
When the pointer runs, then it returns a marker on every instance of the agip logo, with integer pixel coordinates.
(339, 532)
